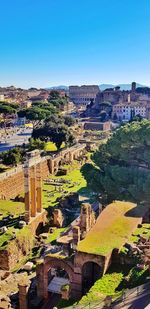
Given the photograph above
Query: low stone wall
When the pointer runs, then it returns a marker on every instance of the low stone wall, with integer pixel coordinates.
(16, 249)
(104, 126)
(12, 182)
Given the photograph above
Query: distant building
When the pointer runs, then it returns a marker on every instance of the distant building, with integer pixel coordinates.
(83, 95)
(26, 104)
(133, 87)
(125, 111)
(2, 97)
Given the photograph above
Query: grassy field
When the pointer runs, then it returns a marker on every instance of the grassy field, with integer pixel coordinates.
(11, 207)
(77, 183)
(112, 229)
(50, 146)
(142, 231)
(15, 209)
(52, 237)
(107, 285)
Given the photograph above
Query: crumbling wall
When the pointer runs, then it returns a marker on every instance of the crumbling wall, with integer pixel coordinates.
(17, 248)
(13, 183)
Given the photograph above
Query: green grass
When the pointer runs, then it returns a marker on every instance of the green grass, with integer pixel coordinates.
(6, 208)
(53, 237)
(107, 285)
(77, 183)
(50, 146)
(142, 231)
(6, 237)
(112, 229)
(11, 207)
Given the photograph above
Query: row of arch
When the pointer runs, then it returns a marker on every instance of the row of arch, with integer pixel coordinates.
(90, 273)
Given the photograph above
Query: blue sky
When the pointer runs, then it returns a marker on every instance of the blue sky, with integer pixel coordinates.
(62, 42)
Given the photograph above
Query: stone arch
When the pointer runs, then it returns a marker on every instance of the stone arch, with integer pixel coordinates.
(91, 272)
(56, 263)
(43, 274)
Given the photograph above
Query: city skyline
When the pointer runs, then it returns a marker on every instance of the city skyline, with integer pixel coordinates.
(83, 42)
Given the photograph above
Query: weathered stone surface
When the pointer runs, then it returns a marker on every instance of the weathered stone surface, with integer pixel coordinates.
(28, 266)
(57, 218)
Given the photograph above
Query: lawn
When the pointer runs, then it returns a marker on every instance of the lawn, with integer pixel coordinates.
(107, 285)
(53, 237)
(77, 183)
(50, 146)
(11, 207)
(144, 231)
(113, 228)
(15, 209)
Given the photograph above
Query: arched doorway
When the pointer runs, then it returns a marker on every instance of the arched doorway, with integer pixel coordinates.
(57, 277)
(91, 272)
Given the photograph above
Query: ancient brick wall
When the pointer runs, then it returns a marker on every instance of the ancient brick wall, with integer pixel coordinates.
(12, 183)
(16, 249)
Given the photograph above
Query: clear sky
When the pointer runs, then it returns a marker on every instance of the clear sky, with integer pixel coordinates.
(61, 42)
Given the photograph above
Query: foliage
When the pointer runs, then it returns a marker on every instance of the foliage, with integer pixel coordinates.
(69, 121)
(6, 110)
(37, 113)
(57, 100)
(122, 164)
(136, 277)
(144, 231)
(12, 156)
(36, 144)
(55, 130)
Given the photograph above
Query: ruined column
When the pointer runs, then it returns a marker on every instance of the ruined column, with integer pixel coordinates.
(33, 190)
(42, 280)
(23, 296)
(70, 156)
(76, 236)
(51, 165)
(39, 187)
(27, 192)
(85, 218)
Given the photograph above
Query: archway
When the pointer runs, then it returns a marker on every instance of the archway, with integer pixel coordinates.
(57, 277)
(91, 272)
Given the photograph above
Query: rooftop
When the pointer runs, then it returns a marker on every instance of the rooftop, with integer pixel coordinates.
(113, 228)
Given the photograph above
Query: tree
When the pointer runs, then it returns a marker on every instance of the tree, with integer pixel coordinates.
(12, 156)
(6, 110)
(54, 130)
(36, 114)
(122, 165)
(103, 115)
(69, 121)
(36, 144)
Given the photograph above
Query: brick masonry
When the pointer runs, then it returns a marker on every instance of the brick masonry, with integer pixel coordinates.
(13, 183)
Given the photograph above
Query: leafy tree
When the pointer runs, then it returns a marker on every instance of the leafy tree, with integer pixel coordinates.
(122, 165)
(36, 114)
(12, 156)
(56, 100)
(69, 121)
(57, 133)
(36, 144)
(6, 110)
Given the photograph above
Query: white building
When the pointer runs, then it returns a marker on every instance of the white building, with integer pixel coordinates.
(125, 111)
